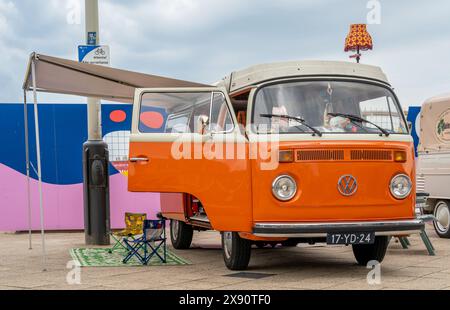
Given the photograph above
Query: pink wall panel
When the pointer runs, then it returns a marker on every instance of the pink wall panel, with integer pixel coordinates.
(63, 204)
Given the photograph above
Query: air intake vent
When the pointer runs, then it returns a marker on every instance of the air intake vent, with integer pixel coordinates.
(311, 155)
(371, 155)
(420, 183)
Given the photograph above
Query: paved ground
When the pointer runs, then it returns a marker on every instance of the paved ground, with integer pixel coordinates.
(303, 267)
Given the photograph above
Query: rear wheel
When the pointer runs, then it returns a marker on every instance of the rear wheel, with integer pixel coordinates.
(236, 251)
(442, 223)
(364, 253)
(180, 234)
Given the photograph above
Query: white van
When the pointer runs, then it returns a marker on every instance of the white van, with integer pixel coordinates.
(433, 167)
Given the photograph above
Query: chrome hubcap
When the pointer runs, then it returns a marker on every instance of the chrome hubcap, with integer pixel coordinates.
(175, 227)
(227, 243)
(442, 215)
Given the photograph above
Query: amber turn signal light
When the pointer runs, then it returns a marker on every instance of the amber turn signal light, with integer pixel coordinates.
(286, 156)
(400, 156)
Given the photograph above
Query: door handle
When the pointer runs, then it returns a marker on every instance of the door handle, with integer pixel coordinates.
(139, 159)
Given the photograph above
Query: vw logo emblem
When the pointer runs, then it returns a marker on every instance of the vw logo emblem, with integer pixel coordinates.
(347, 185)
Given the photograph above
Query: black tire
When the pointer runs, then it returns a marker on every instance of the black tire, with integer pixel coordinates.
(236, 251)
(442, 212)
(364, 253)
(180, 234)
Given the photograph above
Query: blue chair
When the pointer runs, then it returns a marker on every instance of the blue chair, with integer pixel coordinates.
(147, 246)
(134, 223)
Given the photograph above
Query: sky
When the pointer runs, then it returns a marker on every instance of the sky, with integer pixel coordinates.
(204, 40)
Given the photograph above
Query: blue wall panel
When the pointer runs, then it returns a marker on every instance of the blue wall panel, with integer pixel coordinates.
(63, 130)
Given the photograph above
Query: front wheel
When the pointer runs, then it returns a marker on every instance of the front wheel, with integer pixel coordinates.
(442, 223)
(364, 253)
(180, 234)
(236, 251)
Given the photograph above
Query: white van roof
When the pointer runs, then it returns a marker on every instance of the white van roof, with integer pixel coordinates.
(257, 74)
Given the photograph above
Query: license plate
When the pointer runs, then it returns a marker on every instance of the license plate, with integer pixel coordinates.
(351, 238)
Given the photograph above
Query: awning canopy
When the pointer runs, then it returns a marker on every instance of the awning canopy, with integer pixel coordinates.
(63, 76)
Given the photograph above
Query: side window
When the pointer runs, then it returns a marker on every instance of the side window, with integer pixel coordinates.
(182, 112)
(220, 119)
(178, 123)
(201, 109)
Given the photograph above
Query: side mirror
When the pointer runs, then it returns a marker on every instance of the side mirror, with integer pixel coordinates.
(203, 124)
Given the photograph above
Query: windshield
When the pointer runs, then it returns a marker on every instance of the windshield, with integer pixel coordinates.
(322, 105)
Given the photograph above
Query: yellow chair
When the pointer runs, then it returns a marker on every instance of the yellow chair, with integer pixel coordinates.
(134, 225)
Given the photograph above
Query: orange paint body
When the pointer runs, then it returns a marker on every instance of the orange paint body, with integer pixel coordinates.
(223, 186)
(318, 199)
(236, 193)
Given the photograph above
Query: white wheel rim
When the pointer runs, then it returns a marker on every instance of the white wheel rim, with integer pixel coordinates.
(227, 243)
(442, 214)
(175, 228)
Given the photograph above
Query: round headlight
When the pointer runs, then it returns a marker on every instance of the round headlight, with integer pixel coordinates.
(284, 188)
(400, 186)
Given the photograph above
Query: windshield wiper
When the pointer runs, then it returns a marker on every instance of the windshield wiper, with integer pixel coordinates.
(298, 119)
(355, 118)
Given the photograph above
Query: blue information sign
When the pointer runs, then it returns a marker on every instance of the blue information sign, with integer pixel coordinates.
(84, 50)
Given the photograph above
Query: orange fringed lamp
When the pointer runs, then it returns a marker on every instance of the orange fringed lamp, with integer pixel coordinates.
(358, 40)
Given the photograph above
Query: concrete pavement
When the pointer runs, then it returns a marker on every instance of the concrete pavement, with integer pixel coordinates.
(302, 267)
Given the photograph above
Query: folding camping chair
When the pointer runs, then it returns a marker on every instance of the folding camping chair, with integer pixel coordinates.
(134, 224)
(147, 246)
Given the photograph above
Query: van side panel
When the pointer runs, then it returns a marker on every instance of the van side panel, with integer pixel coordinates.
(222, 185)
(172, 206)
(434, 174)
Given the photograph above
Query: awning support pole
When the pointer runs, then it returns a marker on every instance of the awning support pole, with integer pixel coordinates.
(38, 153)
(27, 164)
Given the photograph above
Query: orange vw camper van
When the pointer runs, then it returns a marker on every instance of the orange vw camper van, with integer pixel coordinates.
(284, 153)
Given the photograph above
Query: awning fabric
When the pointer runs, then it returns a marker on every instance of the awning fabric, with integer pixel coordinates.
(63, 76)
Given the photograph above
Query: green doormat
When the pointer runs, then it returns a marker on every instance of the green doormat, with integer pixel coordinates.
(100, 257)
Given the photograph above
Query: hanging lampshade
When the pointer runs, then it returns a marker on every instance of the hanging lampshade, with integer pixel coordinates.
(358, 40)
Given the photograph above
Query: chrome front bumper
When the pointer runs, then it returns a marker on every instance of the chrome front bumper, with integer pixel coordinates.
(313, 230)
